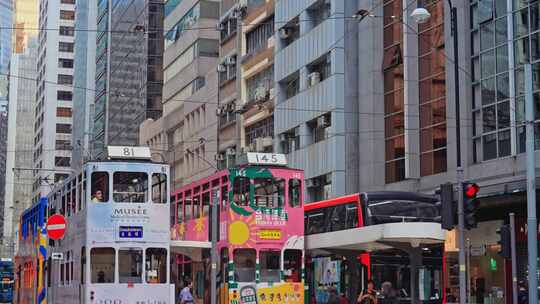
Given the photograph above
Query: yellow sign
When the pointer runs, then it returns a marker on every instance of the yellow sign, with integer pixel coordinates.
(270, 234)
(290, 293)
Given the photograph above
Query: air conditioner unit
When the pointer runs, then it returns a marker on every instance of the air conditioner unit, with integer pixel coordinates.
(314, 78)
(219, 111)
(261, 94)
(221, 68)
(312, 183)
(230, 151)
(220, 27)
(267, 141)
(284, 33)
(230, 60)
(230, 107)
(323, 121)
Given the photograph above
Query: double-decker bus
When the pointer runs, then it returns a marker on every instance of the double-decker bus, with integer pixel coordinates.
(261, 232)
(116, 245)
(391, 265)
(6, 280)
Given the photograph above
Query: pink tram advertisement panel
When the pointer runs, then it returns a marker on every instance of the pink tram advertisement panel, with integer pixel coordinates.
(261, 231)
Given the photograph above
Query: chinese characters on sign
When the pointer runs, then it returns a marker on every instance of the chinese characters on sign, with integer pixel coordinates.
(271, 217)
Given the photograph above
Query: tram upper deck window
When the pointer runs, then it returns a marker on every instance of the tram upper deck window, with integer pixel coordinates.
(269, 192)
(159, 188)
(100, 187)
(130, 187)
(244, 261)
(241, 190)
(102, 265)
(130, 265)
(294, 192)
(270, 265)
(156, 265)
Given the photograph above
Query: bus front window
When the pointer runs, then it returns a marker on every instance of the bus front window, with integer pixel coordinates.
(130, 187)
(244, 261)
(269, 193)
(269, 266)
(130, 265)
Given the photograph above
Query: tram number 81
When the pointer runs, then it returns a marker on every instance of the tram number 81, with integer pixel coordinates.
(129, 152)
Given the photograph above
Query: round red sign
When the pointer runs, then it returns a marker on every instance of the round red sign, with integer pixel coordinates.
(56, 226)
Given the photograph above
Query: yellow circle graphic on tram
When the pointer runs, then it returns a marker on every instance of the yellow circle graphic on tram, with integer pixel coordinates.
(238, 233)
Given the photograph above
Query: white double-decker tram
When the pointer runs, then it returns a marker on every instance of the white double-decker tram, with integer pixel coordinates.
(116, 247)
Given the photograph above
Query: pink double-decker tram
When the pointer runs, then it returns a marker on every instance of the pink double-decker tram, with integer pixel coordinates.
(261, 233)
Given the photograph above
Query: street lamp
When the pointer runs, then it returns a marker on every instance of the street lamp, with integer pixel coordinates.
(421, 15)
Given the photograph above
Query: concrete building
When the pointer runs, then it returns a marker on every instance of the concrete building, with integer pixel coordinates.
(3, 152)
(185, 136)
(129, 74)
(84, 81)
(53, 106)
(20, 140)
(6, 25)
(25, 22)
(316, 72)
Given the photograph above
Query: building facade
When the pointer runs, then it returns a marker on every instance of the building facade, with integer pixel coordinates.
(84, 81)
(25, 23)
(20, 140)
(316, 116)
(129, 74)
(54, 96)
(185, 136)
(3, 152)
(6, 24)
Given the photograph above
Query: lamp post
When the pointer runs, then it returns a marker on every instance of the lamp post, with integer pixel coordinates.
(421, 15)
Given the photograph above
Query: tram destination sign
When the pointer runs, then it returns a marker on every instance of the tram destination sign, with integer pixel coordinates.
(130, 232)
(265, 159)
(126, 152)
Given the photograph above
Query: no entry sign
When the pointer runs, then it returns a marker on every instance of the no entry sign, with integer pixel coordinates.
(56, 226)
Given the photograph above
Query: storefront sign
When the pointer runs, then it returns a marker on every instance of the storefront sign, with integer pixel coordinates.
(270, 234)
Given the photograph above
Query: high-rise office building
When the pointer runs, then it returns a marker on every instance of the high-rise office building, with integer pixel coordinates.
(6, 25)
(53, 106)
(84, 80)
(25, 23)
(128, 70)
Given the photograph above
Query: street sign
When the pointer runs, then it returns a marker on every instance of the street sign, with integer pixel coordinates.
(56, 226)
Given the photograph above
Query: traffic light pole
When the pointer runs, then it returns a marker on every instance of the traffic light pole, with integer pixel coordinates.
(532, 225)
(513, 256)
(461, 241)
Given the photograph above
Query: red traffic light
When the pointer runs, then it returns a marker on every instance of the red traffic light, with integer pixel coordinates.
(471, 190)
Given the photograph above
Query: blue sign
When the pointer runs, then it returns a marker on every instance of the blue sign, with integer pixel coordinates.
(135, 232)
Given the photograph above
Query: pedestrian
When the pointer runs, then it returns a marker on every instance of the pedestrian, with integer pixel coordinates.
(185, 295)
(523, 293)
(343, 299)
(369, 295)
(388, 293)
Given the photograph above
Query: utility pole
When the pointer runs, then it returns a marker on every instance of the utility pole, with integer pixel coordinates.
(213, 254)
(532, 226)
(513, 257)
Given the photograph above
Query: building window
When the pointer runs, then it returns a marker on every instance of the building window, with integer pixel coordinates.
(63, 112)
(290, 32)
(228, 70)
(62, 161)
(65, 47)
(186, 22)
(63, 128)
(262, 82)
(261, 129)
(62, 144)
(228, 114)
(291, 85)
(65, 79)
(319, 70)
(432, 92)
(65, 63)
(290, 140)
(320, 127)
(67, 1)
(393, 94)
(64, 95)
(67, 15)
(228, 28)
(257, 38)
(319, 12)
(67, 30)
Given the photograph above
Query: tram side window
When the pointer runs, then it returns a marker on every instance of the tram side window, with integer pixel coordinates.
(130, 265)
(187, 209)
(270, 265)
(244, 261)
(196, 206)
(295, 192)
(224, 197)
(156, 265)
(224, 263)
(100, 187)
(205, 204)
(102, 265)
(130, 187)
(159, 188)
(83, 265)
(269, 192)
(241, 191)
(292, 264)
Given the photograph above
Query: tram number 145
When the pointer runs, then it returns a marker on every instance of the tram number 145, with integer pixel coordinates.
(267, 159)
